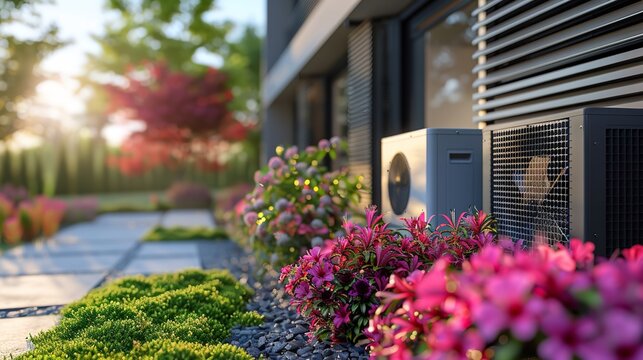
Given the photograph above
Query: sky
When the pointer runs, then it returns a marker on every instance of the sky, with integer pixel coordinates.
(79, 19)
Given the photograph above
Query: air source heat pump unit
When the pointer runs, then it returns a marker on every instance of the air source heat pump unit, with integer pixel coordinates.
(574, 175)
(431, 171)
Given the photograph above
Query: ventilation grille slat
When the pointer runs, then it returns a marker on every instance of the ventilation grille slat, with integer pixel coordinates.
(359, 93)
(530, 182)
(555, 56)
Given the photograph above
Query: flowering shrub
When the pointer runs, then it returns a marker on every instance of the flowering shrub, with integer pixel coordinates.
(186, 195)
(336, 287)
(187, 119)
(30, 218)
(15, 194)
(81, 209)
(297, 203)
(552, 303)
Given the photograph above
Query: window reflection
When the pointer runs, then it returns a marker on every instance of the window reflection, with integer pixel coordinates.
(448, 78)
(340, 115)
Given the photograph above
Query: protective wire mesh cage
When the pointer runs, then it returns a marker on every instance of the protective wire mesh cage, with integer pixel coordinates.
(530, 182)
(624, 188)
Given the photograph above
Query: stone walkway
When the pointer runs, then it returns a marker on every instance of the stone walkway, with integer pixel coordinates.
(37, 279)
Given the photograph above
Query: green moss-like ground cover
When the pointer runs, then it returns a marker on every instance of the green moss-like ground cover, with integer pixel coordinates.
(187, 315)
(160, 233)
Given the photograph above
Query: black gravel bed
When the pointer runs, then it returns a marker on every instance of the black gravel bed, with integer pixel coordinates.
(283, 335)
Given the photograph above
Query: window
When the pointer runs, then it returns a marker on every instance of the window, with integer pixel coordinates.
(339, 113)
(439, 78)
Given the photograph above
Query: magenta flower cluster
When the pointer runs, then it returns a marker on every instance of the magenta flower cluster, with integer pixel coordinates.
(297, 203)
(507, 302)
(335, 286)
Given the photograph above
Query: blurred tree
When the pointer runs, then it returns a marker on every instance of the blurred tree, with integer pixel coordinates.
(186, 116)
(182, 35)
(179, 33)
(19, 59)
(242, 63)
(171, 31)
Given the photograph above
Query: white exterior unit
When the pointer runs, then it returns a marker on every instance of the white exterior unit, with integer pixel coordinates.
(431, 171)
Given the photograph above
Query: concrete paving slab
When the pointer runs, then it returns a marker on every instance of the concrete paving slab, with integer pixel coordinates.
(44, 290)
(145, 265)
(188, 218)
(103, 233)
(62, 264)
(169, 249)
(15, 332)
(69, 246)
(125, 238)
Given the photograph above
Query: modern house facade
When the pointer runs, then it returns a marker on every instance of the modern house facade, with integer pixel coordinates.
(368, 69)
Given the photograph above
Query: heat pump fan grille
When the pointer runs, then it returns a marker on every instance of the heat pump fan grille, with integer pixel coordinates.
(530, 182)
(624, 188)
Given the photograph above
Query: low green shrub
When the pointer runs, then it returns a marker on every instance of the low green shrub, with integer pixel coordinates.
(186, 315)
(160, 233)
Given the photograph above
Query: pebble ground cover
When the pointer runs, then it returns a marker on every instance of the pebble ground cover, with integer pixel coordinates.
(185, 315)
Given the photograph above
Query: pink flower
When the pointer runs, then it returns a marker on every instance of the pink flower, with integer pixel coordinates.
(321, 273)
(291, 152)
(342, 316)
(509, 306)
(275, 163)
(635, 253)
(314, 255)
(324, 144)
(302, 291)
(582, 252)
(250, 218)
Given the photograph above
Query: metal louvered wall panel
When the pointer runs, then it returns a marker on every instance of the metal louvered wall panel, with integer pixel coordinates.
(538, 57)
(360, 104)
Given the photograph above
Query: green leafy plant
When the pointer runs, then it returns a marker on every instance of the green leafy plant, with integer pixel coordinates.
(160, 233)
(297, 203)
(183, 315)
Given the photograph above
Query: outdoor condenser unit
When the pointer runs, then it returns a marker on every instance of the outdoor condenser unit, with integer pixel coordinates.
(578, 175)
(431, 171)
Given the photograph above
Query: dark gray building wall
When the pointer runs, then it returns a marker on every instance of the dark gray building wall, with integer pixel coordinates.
(277, 29)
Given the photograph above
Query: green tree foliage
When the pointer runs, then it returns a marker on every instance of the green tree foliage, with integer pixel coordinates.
(19, 59)
(177, 32)
(171, 31)
(243, 64)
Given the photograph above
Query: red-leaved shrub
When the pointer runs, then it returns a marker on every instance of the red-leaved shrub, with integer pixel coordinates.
(335, 287)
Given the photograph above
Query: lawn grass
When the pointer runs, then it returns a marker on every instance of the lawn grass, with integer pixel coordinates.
(159, 233)
(186, 315)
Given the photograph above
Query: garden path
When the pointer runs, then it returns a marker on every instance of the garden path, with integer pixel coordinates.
(37, 279)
